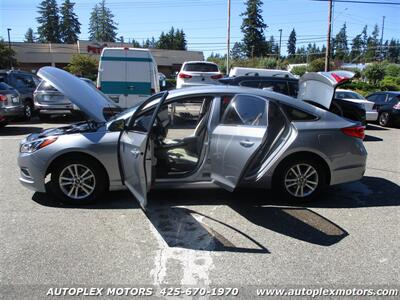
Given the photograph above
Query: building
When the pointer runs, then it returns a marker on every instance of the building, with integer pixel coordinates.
(32, 56)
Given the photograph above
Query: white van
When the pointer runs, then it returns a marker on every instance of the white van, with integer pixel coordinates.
(127, 75)
(239, 71)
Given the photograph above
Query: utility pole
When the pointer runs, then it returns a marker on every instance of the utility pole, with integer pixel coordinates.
(9, 41)
(328, 40)
(228, 41)
(280, 43)
(383, 26)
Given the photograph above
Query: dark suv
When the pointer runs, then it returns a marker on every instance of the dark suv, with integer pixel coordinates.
(290, 87)
(388, 106)
(25, 83)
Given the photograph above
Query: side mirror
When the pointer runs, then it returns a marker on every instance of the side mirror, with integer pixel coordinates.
(117, 125)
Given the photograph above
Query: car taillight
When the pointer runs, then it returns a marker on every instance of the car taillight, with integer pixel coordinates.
(355, 131)
(183, 75)
(3, 98)
(397, 106)
(218, 76)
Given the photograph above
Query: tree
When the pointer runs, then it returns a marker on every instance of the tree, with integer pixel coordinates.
(317, 65)
(372, 44)
(7, 56)
(180, 40)
(299, 70)
(83, 65)
(393, 54)
(356, 47)
(30, 36)
(102, 26)
(253, 29)
(291, 45)
(374, 73)
(49, 22)
(340, 46)
(69, 24)
(237, 51)
(173, 40)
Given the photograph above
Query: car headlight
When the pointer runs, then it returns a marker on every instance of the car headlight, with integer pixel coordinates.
(30, 147)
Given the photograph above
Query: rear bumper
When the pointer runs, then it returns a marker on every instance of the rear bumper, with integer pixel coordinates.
(55, 108)
(372, 115)
(184, 85)
(10, 112)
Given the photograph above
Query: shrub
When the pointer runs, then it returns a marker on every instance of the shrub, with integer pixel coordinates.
(374, 73)
(83, 65)
(299, 70)
(318, 65)
(392, 70)
(390, 83)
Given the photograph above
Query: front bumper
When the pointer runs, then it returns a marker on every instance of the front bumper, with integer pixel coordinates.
(32, 171)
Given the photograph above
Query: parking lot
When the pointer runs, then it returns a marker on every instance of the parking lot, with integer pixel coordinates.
(349, 237)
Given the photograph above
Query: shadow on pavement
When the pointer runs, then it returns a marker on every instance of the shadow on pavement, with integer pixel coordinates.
(187, 228)
(370, 138)
(375, 127)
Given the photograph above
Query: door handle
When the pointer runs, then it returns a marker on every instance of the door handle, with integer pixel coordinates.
(136, 153)
(246, 143)
(131, 87)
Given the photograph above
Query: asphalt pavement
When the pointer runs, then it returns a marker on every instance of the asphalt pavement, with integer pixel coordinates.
(349, 237)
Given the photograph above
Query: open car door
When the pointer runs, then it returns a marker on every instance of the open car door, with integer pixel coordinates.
(320, 87)
(136, 149)
(238, 137)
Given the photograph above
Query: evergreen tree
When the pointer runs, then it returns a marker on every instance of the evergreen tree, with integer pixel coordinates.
(372, 45)
(253, 29)
(180, 40)
(291, 45)
(341, 49)
(393, 54)
(30, 36)
(135, 44)
(102, 26)
(49, 22)
(237, 51)
(69, 25)
(7, 56)
(173, 40)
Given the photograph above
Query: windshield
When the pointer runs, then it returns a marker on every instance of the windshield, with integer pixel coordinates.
(348, 95)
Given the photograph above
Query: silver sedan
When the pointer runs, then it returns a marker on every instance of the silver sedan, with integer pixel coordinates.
(224, 135)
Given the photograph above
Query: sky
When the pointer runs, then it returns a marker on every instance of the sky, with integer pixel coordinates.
(205, 21)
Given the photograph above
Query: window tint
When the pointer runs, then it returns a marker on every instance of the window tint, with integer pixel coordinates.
(293, 88)
(201, 67)
(295, 114)
(24, 81)
(276, 86)
(245, 110)
(348, 95)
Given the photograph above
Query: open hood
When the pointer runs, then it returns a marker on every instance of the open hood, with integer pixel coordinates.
(91, 101)
(320, 87)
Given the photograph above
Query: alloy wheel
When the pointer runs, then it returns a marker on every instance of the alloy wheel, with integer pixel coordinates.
(27, 111)
(77, 181)
(301, 180)
(383, 119)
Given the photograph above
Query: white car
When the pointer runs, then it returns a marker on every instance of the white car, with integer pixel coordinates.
(371, 113)
(195, 73)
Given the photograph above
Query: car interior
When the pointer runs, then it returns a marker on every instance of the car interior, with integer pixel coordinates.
(178, 134)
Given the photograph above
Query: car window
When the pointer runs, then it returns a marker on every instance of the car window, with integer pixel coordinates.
(4, 86)
(246, 110)
(276, 86)
(293, 88)
(295, 114)
(200, 67)
(46, 86)
(348, 95)
(24, 81)
(250, 83)
(377, 98)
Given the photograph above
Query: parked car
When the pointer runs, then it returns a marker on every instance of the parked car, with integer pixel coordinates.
(195, 73)
(388, 106)
(127, 75)
(25, 83)
(10, 104)
(49, 101)
(241, 137)
(346, 95)
(290, 86)
(240, 71)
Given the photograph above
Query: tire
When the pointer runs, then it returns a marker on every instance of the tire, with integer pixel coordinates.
(28, 110)
(81, 192)
(311, 180)
(384, 119)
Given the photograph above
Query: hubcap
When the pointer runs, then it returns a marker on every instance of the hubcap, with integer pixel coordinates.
(27, 111)
(384, 118)
(77, 181)
(301, 180)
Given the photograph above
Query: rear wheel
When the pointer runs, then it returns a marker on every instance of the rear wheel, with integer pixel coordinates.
(384, 119)
(300, 179)
(28, 110)
(78, 180)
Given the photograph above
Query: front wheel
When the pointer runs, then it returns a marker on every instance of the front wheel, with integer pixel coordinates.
(78, 181)
(28, 111)
(300, 180)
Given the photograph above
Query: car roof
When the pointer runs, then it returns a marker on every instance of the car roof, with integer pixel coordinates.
(253, 77)
(199, 62)
(229, 89)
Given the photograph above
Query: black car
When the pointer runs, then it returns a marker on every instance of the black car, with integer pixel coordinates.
(290, 87)
(10, 104)
(388, 106)
(25, 83)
